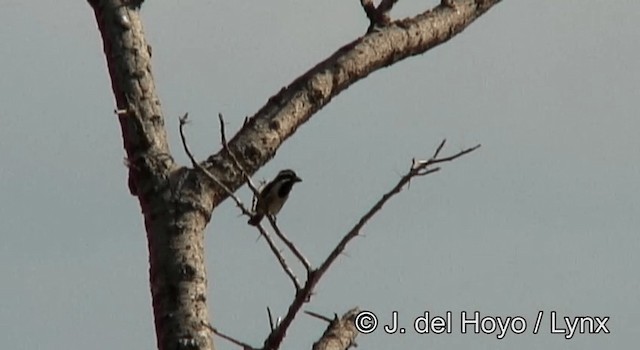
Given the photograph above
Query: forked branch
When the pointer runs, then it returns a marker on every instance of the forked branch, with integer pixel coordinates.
(183, 121)
(245, 211)
(234, 159)
(378, 16)
(418, 168)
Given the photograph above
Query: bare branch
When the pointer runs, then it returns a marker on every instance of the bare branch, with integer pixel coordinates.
(440, 146)
(151, 164)
(234, 159)
(241, 344)
(280, 258)
(245, 211)
(176, 251)
(283, 114)
(289, 244)
(272, 325)
(418, 168)
(207, 173)
(263, 232)
(435, 160)
(318, 316)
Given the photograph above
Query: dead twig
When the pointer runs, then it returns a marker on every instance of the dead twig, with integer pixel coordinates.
(245, 211)
(272, 324)
(289, 244)
(418, 168)
(318, 316)
(234, 159)
(207, 173)
(242, 344)
(280, 257)
(255, 191)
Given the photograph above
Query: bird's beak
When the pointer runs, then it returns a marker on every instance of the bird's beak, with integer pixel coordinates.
(297, 179)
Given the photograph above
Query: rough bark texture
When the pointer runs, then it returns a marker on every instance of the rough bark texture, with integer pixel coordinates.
(341, 333)
(177, 202)
(174, 216)
(259, 139)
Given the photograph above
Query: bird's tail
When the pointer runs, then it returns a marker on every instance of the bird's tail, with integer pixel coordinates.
(255, 220)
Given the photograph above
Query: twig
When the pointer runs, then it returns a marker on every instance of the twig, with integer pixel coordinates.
(255, 191)
(318, 316)
(245, 211)
(183, 121)
(234, 159)
(215, 331)
(280, 257)
(290, 244)
(271, 323)
(418, 168)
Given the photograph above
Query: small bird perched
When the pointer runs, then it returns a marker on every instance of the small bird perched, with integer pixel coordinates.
(273, 195)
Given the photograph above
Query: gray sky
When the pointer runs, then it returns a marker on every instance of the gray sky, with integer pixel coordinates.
(543, 217)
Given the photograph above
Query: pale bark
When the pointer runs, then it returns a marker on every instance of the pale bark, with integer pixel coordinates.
(177, 202)
(175, 214)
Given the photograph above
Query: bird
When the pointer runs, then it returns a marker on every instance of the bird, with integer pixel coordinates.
(273, 195)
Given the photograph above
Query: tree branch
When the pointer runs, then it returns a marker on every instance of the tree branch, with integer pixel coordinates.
(175, 213)
(418, 168)
(340, 334)
(234, 159)
(228, 338)
(318, 316)
(175, 204)
(280, 257)
(285, 112)
(272, 324)
(289, 244)
(183, 121)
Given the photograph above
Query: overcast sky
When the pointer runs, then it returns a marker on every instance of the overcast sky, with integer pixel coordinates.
(544, 217)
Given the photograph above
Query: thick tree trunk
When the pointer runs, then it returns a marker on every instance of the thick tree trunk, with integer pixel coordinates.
(175, 215)
(177, 202)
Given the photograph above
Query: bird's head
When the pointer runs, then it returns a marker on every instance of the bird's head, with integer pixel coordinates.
(288, 175)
